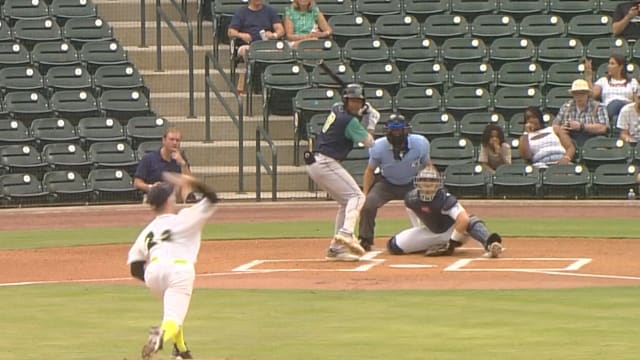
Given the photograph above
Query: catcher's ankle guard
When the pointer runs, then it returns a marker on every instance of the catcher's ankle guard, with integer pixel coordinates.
(309, 158)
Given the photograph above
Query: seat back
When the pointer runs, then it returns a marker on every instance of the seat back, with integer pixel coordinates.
(112, 185)
(122, 76)
(99, 53)
(601, 150)
(145, 128)
(32, 31)
(413, 50)
(460, 100)
(553, 50)
(48, 130)
(509, 49)
(521, 8)
(380, 74)
(541, 26)
(71, 77)
(14, 132)
(13, 54)
(332, 8)
(346, 27)
(99, 128)
(26, 105)
(473, 73)
(394, 27)
(467, 180)
(556, 97)
(443, 26)
(22, 189)
(360, 51)
(74, 104)
(311, 52)
(433, 124)
(457, 50)
(5, 32)
(447, 151)
(66, 156)
(473, 8)
(146, 147)
(380, 99)
(614, 180)
(68, 9)
(412, 100)
(48, 54)
(520, 74)
(588, 26)
(23, 77)
(280, 82)
(563, 74)
(571, 8)
(427, 73)
(421, 9)
(511, 100)
(600, 49)
(123, 103)
(516, 181)
(321, 78)
(566, 181)
(22, 158)
(82, 30)
(113, 154)
(15, 10)
(373, 9)
(493, 26)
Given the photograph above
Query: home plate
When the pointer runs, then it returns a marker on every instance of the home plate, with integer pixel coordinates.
(412, 266)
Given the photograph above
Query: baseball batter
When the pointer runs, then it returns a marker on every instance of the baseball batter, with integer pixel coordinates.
(440, 223)
(164, 255)
(340, 131)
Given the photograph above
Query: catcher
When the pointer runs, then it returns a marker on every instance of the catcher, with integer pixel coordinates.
(164, 255)
(440, 223)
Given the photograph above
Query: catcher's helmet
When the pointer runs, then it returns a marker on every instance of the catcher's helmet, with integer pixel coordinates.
(428, 181)
(353, 91)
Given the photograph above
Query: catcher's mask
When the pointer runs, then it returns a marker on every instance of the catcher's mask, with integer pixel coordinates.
(397, 134)
(428, 181)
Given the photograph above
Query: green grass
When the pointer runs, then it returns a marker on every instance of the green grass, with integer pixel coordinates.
(515, 227)
(110, 322)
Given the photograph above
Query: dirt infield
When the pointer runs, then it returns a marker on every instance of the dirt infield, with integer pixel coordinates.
(527, 263)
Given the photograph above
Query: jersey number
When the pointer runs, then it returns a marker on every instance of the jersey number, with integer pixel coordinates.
(327, 123)
(151, 242)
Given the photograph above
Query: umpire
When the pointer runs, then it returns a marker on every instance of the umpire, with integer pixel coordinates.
(400, 156)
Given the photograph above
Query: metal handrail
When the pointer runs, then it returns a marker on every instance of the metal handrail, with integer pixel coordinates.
(186, 44)
(261, 162)
(238, 120)
(143, 22)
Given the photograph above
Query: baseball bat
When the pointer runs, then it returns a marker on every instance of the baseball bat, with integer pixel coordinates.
(332, 74)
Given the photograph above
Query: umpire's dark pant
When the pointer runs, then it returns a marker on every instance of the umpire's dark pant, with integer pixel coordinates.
(380, 193)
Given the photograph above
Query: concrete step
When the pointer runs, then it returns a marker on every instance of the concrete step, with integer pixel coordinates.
(174, 57)
(174, 80)
(128, 33)
(225, 153)
(177, 103)
(223, 128)
(129, 10)
(226, 179)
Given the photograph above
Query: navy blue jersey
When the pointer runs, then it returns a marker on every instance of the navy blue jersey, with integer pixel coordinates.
(430, 212)
(338, 134)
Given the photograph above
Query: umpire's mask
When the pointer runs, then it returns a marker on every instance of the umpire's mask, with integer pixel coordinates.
(397, 135)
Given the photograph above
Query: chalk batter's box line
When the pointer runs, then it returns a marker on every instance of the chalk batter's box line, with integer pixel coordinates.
(576, 264)
(368, 257)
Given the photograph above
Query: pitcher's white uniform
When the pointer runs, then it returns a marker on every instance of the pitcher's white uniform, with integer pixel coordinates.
(170, 246)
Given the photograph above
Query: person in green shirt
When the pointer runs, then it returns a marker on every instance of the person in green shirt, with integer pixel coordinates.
(304, 21)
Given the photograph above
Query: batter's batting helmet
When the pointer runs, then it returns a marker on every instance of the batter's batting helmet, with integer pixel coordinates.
(428, 181)
(353, 91)
(159, 194)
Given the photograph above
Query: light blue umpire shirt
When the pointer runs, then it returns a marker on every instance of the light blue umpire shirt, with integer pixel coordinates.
(400, 172)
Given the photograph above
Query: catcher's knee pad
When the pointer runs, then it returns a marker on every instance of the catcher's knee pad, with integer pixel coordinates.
(393, 248)
(477, 229)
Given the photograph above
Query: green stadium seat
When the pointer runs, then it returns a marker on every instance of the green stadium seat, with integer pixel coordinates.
(22, 189)
(566, 181)
(68, 77)
(460, 100)
(519, 74)
(613, 180)
(123, 76)
(588, 26)
(421, 9)
(473, 74)
(99, 128)
(123, 104)
(145, 128)
(472, 8)
(394, 27)
(373, 9)
(280, 83)
(472, 125)
(309, 102)
(521, 8)
(66, 187)
(433, 124)
(516, 181)
(320, 77)
(553, 50)
(50, 54)
(446, 151)
(32, 31)
(80, 31)
(74, 104)
(13, 54)
(346, 27)
(556, 97)
(112, 185)
(360, 51)
(22, 159)
(113, 155)
(412, 100)
(414, 50)
(509, 49)
(492, 26)
(457, 50)
(331, 8)
(14, 10)
(428, 73)
(602, 150)
(440, 27)
(66, 157)
(538, 27)
(64, 10)
(21, 78)
(380, 74)
(53, 130)
(99, 53)
(470, 180)
(311, 52)
(26, 106)
(511, 100)
(14, 132)
(600, 49)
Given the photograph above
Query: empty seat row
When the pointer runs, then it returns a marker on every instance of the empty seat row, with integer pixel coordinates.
(61, 10)
(75, 104)
(67, 186)
(43, 131)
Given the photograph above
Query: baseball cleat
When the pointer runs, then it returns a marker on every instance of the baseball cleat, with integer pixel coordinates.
(494, 246)
(180, 355)
(154, 343)
(340, 255)
(351, 242)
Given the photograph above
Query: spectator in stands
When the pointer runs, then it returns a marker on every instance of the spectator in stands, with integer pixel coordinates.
(494, 150)
(254, 22)
(168, 158)
(542, 145)
(616, 89)
(303, 20)
(629, 121)
(581, 117)
(626, 20)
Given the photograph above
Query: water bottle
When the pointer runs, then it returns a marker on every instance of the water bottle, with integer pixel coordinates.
(631, 195)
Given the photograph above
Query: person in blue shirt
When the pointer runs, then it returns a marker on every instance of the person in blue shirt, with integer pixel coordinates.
(168, 158)
(341, 130)
(248, 21)
(399, 156)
